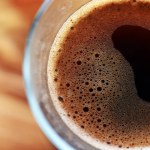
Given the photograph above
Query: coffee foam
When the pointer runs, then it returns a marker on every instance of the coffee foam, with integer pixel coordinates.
(91, 84)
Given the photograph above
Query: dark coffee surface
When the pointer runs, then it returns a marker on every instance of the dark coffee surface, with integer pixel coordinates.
(97, 81)
(134, 43)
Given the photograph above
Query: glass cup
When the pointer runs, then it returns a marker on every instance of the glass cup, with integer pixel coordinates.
(48, 21)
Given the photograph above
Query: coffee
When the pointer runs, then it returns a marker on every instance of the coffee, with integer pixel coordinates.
(133, 43)
(97, 70)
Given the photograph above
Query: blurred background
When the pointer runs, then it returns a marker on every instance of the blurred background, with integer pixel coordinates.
(18, 129)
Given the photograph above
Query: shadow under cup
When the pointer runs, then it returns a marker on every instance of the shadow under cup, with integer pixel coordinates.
(47, 23)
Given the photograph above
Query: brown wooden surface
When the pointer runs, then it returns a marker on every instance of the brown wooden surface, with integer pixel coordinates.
(18, 129)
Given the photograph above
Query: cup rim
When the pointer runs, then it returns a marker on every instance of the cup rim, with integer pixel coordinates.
(38, 114)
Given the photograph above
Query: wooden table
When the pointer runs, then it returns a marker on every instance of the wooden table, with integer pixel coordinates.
(18, 129)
